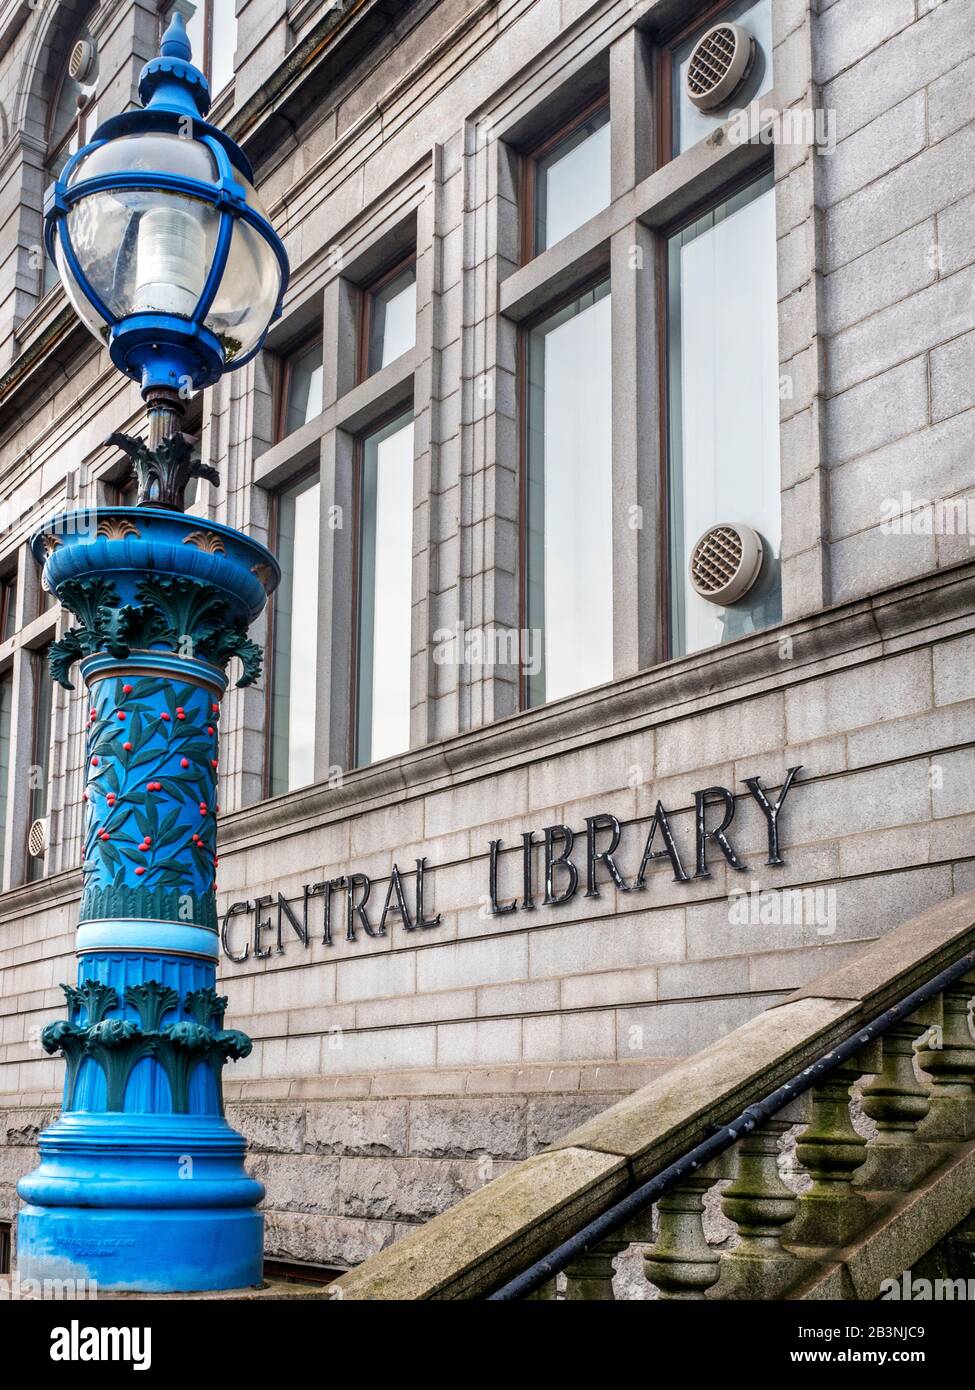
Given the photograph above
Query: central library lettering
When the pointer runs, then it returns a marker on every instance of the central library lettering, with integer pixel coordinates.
(347, 905)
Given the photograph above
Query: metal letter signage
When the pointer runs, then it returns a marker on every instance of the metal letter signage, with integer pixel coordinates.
(245, 927)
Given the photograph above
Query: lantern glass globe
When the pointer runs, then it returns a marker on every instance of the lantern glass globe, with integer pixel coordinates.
(150, 250)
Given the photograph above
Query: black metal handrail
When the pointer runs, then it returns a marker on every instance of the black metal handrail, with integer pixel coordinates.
(721, 1139)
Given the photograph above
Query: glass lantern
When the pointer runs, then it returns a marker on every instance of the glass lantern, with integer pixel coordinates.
(160, 239)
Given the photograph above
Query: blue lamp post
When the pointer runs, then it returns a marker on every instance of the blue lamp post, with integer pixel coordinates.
(167, 257)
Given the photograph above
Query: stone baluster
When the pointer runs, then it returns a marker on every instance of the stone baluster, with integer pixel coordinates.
(762, 1206)
(948, 1056)
(590, 1277)
(681, 1263)
(897, 1101)
(831, 1212)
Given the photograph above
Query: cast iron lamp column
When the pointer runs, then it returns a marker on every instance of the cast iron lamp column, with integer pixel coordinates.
(168, 257)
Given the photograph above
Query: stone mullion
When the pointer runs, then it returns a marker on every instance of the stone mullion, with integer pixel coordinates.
(639, 514)
(802, 375)
(246, 708)
(447, 521)
(426, 426)
(488, 416)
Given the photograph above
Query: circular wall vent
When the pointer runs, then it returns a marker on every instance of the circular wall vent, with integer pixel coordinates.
(37, 839)
(725, 563)
(718, 65)
(82, 60)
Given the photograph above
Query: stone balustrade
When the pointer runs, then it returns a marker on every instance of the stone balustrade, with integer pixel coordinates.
(853, 1180)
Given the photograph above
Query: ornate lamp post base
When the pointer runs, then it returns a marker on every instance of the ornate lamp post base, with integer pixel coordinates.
(141, 1184)
(144, 1226)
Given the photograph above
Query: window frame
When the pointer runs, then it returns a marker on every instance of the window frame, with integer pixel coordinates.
(525, 329)
(367, 293)
(283, 372)
(40, 681)
(530, 158)
(304, 475)
(709, 203)
(78, 128)
(406, 407)
(664, 73)
(9, 586)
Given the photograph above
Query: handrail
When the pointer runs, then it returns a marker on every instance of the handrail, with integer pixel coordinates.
(590, 1235)
(506, 1237)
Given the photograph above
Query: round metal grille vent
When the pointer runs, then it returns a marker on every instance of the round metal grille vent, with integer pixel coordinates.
(37, 839)
(718, 65)
(82, 60)
(725, 562)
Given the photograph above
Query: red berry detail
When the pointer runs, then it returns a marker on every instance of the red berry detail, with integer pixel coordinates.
(94, 762)
(140, 870)
(127, 747)
(209, 728)
(126, 690)
(184, 762)
(164, 716)
(213, 761)
(92, 714)
(148, 841)
(120, 714)
(215, 708)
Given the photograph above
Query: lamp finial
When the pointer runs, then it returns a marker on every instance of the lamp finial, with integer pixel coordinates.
(175, 41)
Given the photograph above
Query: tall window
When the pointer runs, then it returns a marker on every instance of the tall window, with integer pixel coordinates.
(724, 405)
(8, 607)
(211, 26)
(40, 769)
(389, 323)
(570, 179)
(295, 637)
(568, 497)
(302, 380)
(72, 118)
(689, 123)
(6, 706)
(385, 591)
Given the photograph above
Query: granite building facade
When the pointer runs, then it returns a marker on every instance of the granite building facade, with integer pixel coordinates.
(512, 819)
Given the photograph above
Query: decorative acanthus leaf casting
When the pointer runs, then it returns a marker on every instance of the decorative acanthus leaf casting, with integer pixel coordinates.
(163, 473)
(151, 1001)
(116, 528)
(175, 613)
(117, 1045)
(207, 542)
